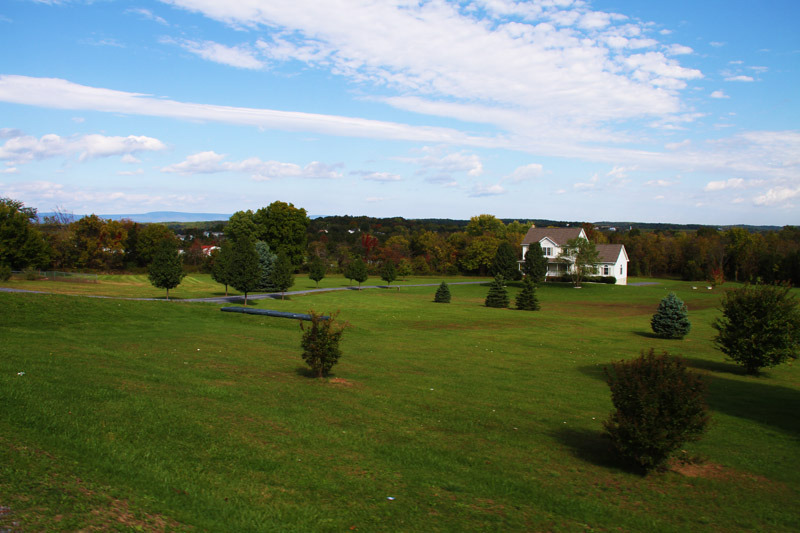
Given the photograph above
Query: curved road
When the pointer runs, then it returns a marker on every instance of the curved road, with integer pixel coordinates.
(259, 296)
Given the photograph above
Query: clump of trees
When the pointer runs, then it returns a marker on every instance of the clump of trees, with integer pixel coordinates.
(357, 271)
(442, 294)
(320, 342)
(659, 405)
(760, 326)
(671, 320)
(582, 255)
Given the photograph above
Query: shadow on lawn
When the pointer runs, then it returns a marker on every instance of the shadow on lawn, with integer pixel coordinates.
(753, 398)
(591, 446)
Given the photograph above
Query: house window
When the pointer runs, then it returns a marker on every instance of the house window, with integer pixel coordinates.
(548, 251)
(606, 270)
(620, 269)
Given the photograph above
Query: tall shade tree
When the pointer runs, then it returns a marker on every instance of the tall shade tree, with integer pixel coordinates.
(242, 224)
(166, 270)
(21, 243)
(316, 270)
(245, 271)
(535, 264)
(283, 226)
(486, 224)
(148, 239)
(282, 276)
(583, 257)
(505, 262)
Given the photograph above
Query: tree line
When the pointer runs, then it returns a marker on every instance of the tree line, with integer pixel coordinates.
(424, 246)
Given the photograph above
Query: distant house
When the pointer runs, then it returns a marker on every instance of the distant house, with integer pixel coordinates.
(613, 257)
(208, 249)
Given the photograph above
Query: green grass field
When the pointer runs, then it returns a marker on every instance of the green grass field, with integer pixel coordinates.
(139, 415)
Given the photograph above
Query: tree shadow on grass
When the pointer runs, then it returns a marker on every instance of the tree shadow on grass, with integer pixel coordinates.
(715, 366)
(592, 447)
(647, 335)
(752, 398)
(306, 372)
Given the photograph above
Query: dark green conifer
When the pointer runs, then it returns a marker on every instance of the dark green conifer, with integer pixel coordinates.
(498, 296)
(671, 320)
(526, 299)
(442, 294)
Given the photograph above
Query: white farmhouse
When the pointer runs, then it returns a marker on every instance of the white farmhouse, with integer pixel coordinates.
(613, 257)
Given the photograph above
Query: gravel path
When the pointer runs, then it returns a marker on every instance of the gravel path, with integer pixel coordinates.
(259, 296)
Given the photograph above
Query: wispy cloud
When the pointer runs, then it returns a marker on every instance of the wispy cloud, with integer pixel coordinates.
(21, 148)
(212, 163)
(740, 78)
(234, 56)
(146, 14)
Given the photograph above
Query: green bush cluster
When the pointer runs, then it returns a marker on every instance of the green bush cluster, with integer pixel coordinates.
(659, 406)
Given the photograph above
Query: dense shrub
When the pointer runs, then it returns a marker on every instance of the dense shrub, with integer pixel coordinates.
(526, 299)
(442, 294)
(498, 296)
(760, 326)
(320, 343)
(5, 272)
(671, 320)
(659, 406)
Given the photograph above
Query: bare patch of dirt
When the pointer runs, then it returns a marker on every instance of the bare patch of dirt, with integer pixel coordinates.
(341, 382)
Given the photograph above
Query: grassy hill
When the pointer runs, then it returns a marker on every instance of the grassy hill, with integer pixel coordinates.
(439, 417)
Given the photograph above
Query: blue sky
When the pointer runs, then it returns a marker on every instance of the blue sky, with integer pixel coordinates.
(676, 111)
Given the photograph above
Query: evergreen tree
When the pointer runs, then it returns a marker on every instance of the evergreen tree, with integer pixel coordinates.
(671, 320)
(505, 262)
(220, 264)
(535, 263)
(166, 270)
(389, 273)
(316, 270)
(244, 269)
(266, 262)
(442, 294)
(320, 343)
(282, 275)
(526, 299)
(357, 271)
(498, 296)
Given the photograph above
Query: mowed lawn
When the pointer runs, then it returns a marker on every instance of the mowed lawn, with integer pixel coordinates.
(439, 417)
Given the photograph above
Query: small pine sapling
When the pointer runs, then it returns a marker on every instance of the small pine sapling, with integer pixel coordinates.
(526, 299)
(671, 320)
(659, 405)
(320, 342)
(442, 295)
(498, 296)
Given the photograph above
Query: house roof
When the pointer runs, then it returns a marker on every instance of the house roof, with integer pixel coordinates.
(608, 253)
(560, 236)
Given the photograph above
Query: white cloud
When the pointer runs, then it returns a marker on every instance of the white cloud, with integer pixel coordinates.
(378, 176)
(487, 190)
(136, 172)
(61, 94)
(128, 158)
(719, 94)
(234, 56)
(678, 49)
(374, 199)
(211, 163)
(717, 44)
(733, 183)
(435, 159)
(527, 172)
(146, 14)
(25, 148)
(778, 196)
(587, 185)
(660, 183)
(740, 78)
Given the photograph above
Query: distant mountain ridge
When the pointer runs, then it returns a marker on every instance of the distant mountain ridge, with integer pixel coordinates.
(157, 216)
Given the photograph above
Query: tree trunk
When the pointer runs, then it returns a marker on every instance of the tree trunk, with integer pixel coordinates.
(167, 294)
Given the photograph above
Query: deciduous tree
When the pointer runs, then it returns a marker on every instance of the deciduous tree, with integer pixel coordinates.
(388, 273)
(583, 257)
(316, 270)
(760, 326)
(244, 269)
(283, 226)
(166, 269)
(282, 276)
(21, 243)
